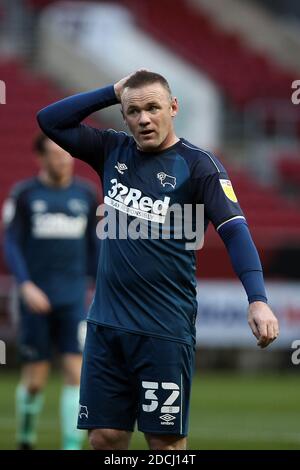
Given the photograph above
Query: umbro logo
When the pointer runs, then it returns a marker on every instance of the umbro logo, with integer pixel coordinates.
(121, 167)
(166, 179)
(83, 412)
(167, 419)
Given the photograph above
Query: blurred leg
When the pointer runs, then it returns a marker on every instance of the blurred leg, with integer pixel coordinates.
(29, 402)
(72, 438)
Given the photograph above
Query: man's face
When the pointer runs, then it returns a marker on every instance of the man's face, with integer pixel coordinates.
(56, 162)
(148, 112)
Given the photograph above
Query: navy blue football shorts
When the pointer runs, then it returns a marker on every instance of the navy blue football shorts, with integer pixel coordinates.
(128, 378)
(62, 330)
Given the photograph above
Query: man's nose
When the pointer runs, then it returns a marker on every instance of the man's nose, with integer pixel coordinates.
(144, 118)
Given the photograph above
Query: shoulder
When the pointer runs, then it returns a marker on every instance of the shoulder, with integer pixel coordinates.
(16, 199)
(118, 137)
(86, 186)
(200, 162)
(21, 188)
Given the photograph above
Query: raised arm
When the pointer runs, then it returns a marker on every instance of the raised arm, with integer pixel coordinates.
(61, 122)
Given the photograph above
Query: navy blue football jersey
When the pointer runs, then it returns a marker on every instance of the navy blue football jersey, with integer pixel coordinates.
(145, 284)
(50, 237)
(148, 285)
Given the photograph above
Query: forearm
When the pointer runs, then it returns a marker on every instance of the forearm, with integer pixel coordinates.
(61, 121)
(245, 259)
(15, 260)
(247, 265)
(69, 112)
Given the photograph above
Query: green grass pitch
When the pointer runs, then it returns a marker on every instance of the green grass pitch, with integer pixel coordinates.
(228, 411)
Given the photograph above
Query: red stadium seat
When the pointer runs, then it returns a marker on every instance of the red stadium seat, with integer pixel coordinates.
(218, 53)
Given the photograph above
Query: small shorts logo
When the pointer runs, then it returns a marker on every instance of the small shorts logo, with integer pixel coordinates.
(167, 419)
(83, 412)
(2, 353)
(2, 92)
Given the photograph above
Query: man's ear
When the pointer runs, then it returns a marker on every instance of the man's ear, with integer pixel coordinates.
(174, 107)
(123, 116)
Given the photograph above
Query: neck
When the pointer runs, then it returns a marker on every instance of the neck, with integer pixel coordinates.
(168, 142)
(48, 180)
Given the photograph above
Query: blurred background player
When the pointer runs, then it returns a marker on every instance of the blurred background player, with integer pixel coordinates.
(50, 244)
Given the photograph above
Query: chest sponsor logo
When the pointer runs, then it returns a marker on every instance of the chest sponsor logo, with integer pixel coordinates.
(132, 202)
(58, 225)
(166, 179)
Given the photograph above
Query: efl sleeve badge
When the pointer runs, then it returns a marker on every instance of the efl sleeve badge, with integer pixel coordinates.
(228, 189)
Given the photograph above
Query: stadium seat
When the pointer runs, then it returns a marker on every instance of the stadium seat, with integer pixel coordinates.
(242, 73)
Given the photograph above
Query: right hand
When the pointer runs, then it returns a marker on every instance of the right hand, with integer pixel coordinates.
(263, 323)
(34, 298)
(119, 86)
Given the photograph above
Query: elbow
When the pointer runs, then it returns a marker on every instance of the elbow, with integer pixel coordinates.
(42, 119)
(45, 122)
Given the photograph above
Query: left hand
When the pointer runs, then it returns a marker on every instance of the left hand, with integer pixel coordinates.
(263, 323)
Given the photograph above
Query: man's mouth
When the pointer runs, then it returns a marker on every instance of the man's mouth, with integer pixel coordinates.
(147, 132)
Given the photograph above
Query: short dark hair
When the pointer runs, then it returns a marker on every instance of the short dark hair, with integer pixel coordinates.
(144, 77)
(39, 144)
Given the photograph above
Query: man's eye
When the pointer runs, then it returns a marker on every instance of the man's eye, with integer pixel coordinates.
(153, 108)
(132, 111)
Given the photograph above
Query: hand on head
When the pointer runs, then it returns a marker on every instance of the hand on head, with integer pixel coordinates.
(119, 86)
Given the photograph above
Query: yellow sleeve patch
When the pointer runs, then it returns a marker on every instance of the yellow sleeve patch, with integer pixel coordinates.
(228, 189)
